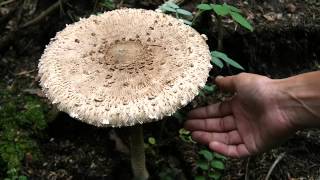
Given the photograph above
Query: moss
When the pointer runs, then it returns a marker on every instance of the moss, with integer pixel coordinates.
(22, 119)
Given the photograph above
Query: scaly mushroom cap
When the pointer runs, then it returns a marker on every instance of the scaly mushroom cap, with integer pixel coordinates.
(124, 67)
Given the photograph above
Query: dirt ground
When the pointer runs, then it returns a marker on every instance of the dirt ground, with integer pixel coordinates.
(285, 42)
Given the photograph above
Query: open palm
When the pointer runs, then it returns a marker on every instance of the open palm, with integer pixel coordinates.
(249, 123)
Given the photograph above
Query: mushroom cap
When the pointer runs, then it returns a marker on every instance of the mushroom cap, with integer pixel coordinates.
(124, 67)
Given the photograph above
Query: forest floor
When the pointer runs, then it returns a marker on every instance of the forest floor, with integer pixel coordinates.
(285, 42)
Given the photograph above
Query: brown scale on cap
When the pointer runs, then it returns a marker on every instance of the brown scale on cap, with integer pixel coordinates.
(124, 67)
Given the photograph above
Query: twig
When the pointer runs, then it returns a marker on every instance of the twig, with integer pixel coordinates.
(120, 4)
(19, 13)
(95, 6)
(220, 30)
(6, 2)
(220, 33)
(61, 6)
(27, 73)
(247, 169)
(274, 165)
(42, 14)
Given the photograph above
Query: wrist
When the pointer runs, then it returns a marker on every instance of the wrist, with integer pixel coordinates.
(299, 99)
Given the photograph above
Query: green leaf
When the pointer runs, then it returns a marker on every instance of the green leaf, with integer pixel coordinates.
(220, 9)
(241, 20)
(109, 4)
(226, 59)
(203, 165)
(172, 5)
(184, 138)
(218, 54)
(209, 88)
(191, 140)
(201, 93)
(217, 165)
(183, 131)
(216, 61)
(179, 115)
(199, 178)
(206, 154)
(22, 178)
(204, 7)
(152, 140)
(214, 175)
(219, 156)
(12, 172)
(187, 22)
(167, 8)
(232, 8)
(233, 63)
(184, 12)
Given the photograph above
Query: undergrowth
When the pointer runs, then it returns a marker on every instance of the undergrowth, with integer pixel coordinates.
(21, 121)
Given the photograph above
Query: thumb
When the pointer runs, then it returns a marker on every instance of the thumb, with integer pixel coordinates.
(226, 83)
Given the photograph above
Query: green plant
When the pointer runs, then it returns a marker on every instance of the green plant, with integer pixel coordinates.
(152, 141)
(22, 118)
(210, 165)
(108, 4)
(14, 175)
(224, 11)
(208, 89)
(151, 146)
(217, 57)
(171, 7)
(169, 173)
(185, 135)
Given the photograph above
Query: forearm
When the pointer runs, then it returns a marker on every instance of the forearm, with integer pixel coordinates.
(299, 98)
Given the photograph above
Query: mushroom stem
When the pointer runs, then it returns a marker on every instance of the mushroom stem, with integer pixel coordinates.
(138, 159)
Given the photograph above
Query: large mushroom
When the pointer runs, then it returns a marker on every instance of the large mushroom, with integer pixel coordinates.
(123, 68)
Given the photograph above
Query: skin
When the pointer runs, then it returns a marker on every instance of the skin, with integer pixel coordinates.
(262, 113)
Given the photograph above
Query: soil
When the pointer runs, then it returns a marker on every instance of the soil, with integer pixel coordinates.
(285, 42)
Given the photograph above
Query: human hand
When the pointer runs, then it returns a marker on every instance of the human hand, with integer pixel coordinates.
(249, 123)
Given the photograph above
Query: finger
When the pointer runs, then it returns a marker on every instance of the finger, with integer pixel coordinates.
(230, 138)
(226, 123)
(226, 83)
(236, 151)
(211, 111)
